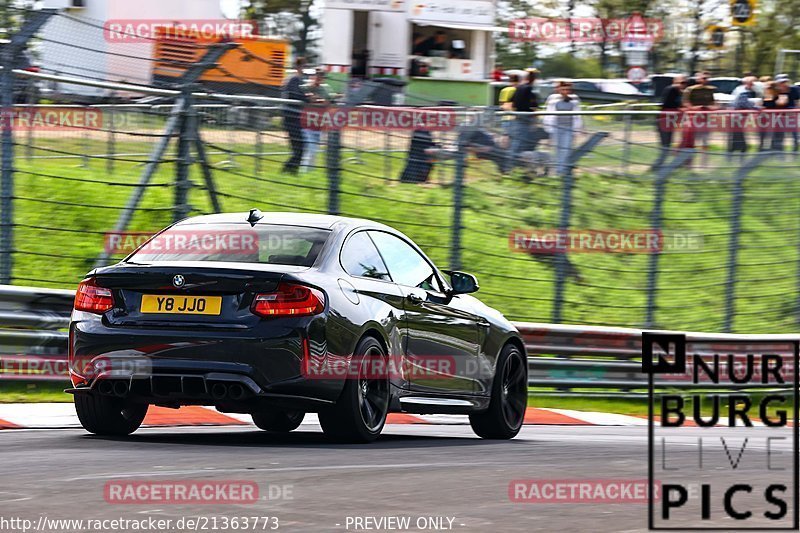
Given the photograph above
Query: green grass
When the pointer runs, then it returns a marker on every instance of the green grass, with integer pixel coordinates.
(12, 392)
(639, 406)
(64, 207)
(61, 223)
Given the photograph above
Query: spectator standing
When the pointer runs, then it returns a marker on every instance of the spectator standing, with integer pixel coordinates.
(318, 94)
(562, 127)
(505, 100)
(698, 98)
(524, 100)
(792, 93)
(742, 101)
(671, 102)
(776, 99)
(293, 90)
(768, 96)
(770, 105)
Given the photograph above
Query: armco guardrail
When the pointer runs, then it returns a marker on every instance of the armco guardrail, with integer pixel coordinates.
(33, 340)
(564, 357)
(33, 346)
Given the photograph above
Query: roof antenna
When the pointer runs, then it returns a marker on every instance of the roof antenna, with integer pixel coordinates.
(254, 216)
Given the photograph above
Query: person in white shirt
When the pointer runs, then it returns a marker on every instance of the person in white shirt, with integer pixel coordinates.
(562, 128)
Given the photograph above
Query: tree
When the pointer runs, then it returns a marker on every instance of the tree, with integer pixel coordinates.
(293, 18)
(517, 54)
(12, 13)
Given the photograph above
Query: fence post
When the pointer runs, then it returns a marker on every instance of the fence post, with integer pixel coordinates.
(458, 203)
(175, 120)
(112, 139)
(333, 160)
(626, 150)
(184, 161)
(656, 219)
(733, 243)
(259, 146)
(566, 214)
(10, 51)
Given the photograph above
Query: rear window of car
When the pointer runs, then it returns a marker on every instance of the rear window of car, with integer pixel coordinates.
(239, 243)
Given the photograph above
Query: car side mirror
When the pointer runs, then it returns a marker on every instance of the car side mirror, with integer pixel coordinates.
(462, 282)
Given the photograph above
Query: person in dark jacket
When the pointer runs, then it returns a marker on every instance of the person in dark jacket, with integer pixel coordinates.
(293, 90)
(526, 100)
(791, 95)
(671, 101)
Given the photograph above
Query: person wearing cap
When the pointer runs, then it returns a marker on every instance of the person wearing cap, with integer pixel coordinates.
(562, 128)
(318, 94)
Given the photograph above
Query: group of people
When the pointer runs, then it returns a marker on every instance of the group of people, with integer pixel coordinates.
(752, 94)
(304, 142)
(522, 131)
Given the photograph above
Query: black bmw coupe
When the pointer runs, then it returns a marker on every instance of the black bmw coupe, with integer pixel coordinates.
(280, 314)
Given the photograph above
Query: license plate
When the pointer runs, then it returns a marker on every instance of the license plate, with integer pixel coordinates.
(181, 305)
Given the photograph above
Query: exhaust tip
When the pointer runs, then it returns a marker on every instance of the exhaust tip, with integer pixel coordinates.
(105, 387)
(219, 391)
(236, 391)
(120, 388)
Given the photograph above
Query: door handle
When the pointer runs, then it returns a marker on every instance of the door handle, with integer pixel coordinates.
(414, 299)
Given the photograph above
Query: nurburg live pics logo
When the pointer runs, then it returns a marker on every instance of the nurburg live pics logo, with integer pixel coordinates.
(724, 448)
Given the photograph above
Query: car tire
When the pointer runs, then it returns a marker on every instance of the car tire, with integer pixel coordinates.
(506, 413)
(278, 421)
(103, 415)
(360, 413)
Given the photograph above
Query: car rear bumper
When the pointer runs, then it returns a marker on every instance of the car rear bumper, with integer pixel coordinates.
(228, 368)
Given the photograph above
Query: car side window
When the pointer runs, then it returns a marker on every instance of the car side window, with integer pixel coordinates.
(406, 266)
(360, 258)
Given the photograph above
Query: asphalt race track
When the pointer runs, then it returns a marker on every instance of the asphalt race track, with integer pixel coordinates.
(414, 471)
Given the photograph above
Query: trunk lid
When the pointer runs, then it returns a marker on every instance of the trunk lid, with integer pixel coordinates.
(187, 295)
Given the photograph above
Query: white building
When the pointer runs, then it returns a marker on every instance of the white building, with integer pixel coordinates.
(82, 45)
(384, 29)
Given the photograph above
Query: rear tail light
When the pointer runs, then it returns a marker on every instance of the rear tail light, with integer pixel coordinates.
(289, 299)
(93, 298)
(32, 69)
